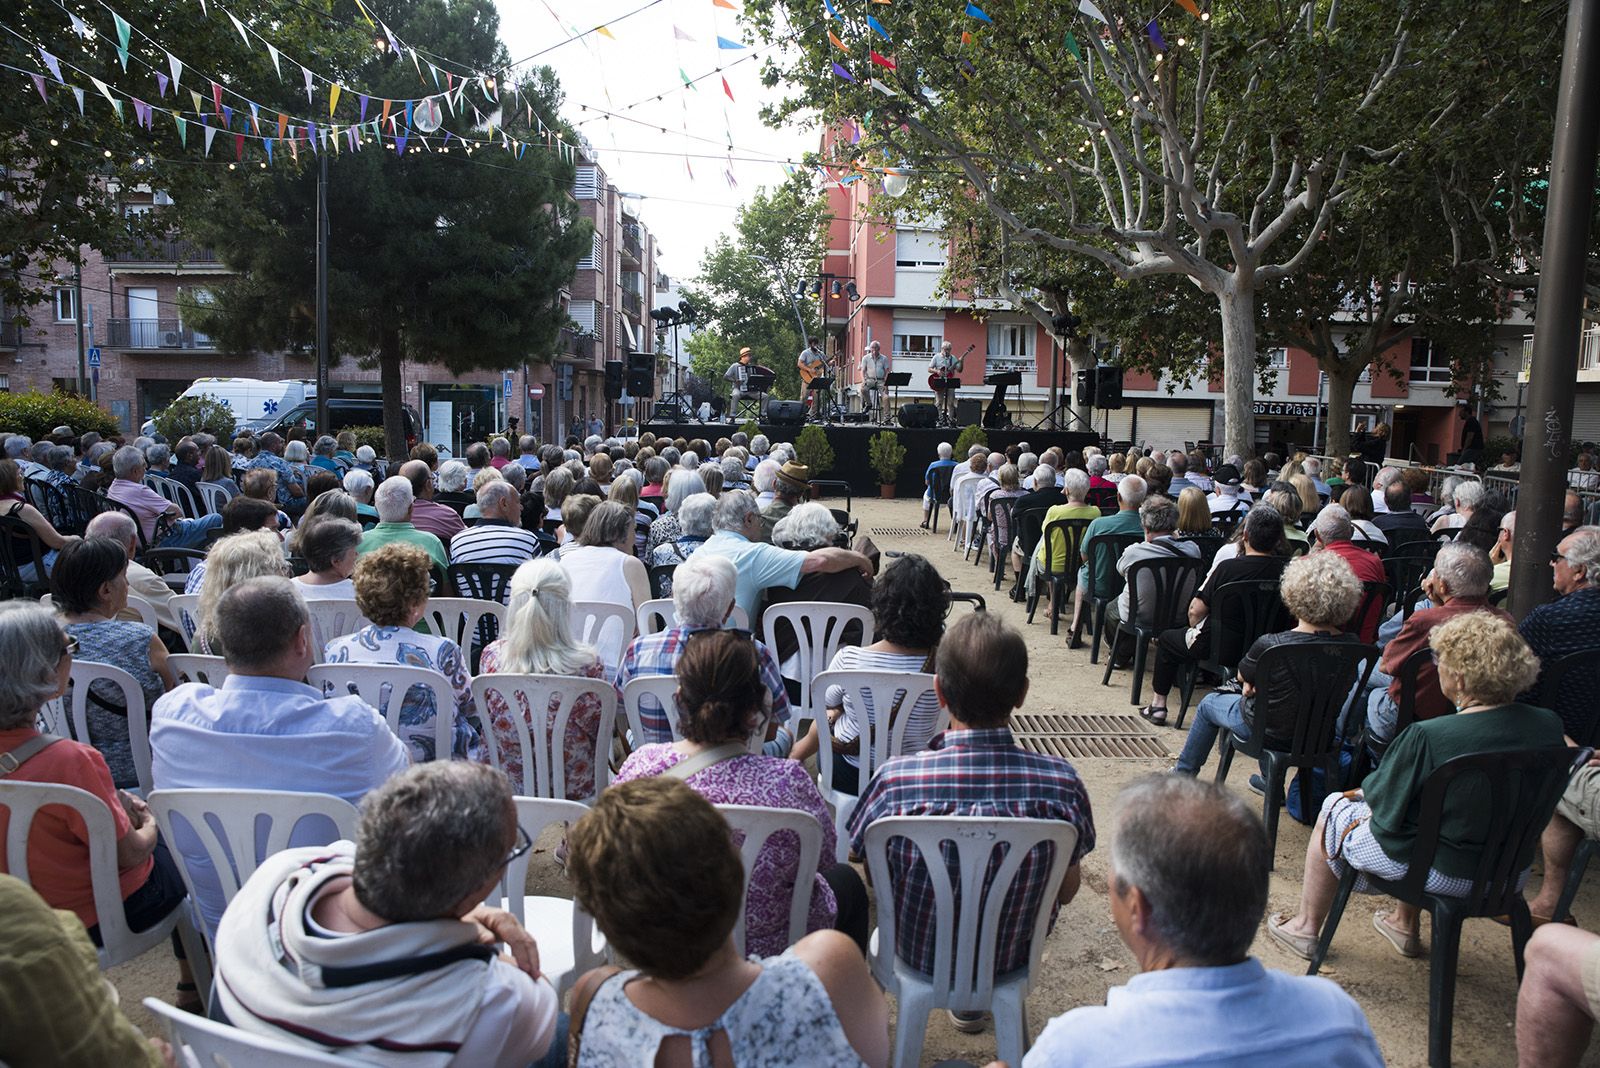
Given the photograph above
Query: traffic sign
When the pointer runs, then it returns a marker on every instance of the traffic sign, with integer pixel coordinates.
(507, 384)
(535, 392)
(94, 356)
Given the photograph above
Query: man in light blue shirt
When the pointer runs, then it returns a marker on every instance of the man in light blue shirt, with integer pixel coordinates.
(263, 728)
(1188, 888)
(737, 526)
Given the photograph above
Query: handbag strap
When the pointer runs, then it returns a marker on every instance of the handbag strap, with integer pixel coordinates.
(11, 761)
(706, 758)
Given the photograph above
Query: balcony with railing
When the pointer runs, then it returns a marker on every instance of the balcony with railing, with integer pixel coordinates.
(573, 343)
(633, 304)
(156, 335)
(1588, 355)
(632, 245)
(165, 252)
(10, 335)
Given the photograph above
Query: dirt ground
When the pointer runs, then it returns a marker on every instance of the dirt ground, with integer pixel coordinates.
(1084, 957)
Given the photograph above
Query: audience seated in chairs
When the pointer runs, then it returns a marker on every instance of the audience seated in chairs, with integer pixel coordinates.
(1483, 665)
(945, 453)
(681, 485)
(1227, 495)
(722, 700)
(14, 504)
(396, 503)
(1321, 593)
(1332, 531)
(692, 520)
(1357, 500)
(1007, 486)
(1571, 623)
(601, 565)
(910, 603)
(498, 536)
(1194, 515)
(807, 527)
(330, 546)
(538, 639)
(761, 566)
(815, 1004)
(1158, 517)
(975, 769)
(1188, 887)
(1076, 484)
(1398, 521)
(625, 491)
(432, 843)
(38, 656)
(702, 599)
(1131, 492)
(392, 588)
(789, 489)
(1263, 535)
(427, 514)
(120, 528)
(235, 559)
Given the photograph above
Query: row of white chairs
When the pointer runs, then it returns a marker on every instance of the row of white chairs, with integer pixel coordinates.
(240, 828)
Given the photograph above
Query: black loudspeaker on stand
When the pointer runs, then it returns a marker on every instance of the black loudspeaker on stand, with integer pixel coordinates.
(616, 378)
(641, 374)
(919, 416)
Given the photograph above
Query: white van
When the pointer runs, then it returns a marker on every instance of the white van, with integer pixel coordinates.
(251, 399)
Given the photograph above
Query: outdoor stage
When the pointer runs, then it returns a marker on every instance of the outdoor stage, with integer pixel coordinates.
(849, 441)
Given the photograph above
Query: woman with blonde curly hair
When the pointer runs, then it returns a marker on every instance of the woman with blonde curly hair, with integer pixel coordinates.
(392, 586)
(1321, 592)
(246, 555)
(1483, 664)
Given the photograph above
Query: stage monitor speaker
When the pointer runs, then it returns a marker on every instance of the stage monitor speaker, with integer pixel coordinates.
(641, 374)
(616, 374)
(969, 411)
(919, 416)
(786, 412)
(1108, 387)
(1083, 392)
(666, 412)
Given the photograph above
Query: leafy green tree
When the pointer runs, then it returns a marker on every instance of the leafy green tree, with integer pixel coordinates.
(192, 415)
(1217, 152)
(746, 284)
(444, 256)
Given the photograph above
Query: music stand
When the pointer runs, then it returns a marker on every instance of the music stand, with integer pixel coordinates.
(894, 380)
(821, 389)
(759, 382)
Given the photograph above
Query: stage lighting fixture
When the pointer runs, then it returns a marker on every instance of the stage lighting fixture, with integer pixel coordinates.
(687, 312)
(835, 288)
(851, 291)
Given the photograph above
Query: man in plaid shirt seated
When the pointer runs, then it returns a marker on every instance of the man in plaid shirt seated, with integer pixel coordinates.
(976, 769)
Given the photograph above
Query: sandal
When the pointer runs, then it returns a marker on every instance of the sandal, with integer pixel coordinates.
(1405, 943)
(188, 999)
(1302, 946)
(1157, 716)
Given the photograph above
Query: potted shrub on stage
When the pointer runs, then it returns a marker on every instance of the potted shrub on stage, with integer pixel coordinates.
(886, 454)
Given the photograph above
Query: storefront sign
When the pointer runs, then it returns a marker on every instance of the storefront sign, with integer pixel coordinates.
(1286, 409)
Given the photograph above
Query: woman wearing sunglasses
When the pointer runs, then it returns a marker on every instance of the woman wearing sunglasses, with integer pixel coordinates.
(38, 658)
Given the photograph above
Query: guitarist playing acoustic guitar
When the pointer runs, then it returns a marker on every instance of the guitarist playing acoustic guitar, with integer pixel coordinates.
(944, 372)
(812, 364)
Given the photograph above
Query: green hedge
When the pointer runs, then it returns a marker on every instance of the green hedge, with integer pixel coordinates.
(36, 414)
(193, 415)
(369, 435)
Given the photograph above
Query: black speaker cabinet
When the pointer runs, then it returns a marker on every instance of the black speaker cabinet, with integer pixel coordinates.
(918, 416)
(969, 411)
(786, 412)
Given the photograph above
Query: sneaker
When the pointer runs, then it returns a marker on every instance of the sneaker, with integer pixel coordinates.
(968, 1023)
(1259, 785)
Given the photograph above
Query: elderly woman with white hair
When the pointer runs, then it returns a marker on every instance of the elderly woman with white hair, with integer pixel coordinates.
(358, 483)
(946, 453)
(694, 522)
(681, 485)
(765, 480)
(812, 526)
(453, 485)
(1077, 491)
(759, 446)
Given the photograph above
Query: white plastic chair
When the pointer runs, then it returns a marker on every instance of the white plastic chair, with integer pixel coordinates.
(544, 772)
(963, 510)
(384, 687)
(470, 622)
(966, 946)
(752, 826)
(332, 618)
(660, 614)
(569, 942)
(24, 800)
(819, 626)
(197, 667)
(212, 497)
(606, 626)
(877, 741)
(186, 610)
(146, 610)
(661, 689)
(208, 1044)
(86, 672)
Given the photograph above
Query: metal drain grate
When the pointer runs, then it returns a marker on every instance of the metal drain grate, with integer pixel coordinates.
(901, 532)
(1094, 734)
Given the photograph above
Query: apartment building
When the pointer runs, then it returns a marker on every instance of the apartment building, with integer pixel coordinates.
(128, 307)
(897, 270)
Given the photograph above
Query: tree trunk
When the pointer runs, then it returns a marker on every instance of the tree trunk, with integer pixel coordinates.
(1238, 305)
(1078, 356)
(1341, 387)
(394, 426)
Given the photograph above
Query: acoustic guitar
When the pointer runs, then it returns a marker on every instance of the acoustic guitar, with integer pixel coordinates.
(939, 382)
(808, 373)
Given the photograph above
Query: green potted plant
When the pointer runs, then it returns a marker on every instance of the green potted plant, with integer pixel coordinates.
(812, 449)
(887, 455)
(970, 436)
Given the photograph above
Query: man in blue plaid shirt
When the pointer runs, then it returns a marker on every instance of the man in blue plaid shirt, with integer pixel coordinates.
(976, 769)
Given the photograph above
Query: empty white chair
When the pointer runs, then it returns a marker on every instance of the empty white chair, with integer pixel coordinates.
(966, 945)
(963, 510)
(752, 826)
(528, 697)
(874, 695)
(87, 672)
(196, 667)
(238, 829)
(209, 1044)
(659, 691)
(569, 943)
(470, 622)
(384, 687)
(659, 615)
(330, 619)
(186, 610)
(820, 627)
(606, 626)
(23, 800)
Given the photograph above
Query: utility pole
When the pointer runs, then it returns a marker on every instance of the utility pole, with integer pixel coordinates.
(322, 295)
(1554, 369)
(77, 315)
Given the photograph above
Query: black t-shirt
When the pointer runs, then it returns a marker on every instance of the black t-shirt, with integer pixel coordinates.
(1279, 696)
(1242, 569)
(1471, 435)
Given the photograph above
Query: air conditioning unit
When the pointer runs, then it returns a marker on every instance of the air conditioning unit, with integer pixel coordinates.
(171, 339)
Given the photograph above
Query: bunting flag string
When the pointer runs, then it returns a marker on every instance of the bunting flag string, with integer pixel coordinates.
(1071, 43)
(1156, 39)
(724, 43)
(1088, 7)
(978, 13)
(841, 72)
(877, 27)
(883, 61)
(840, 45)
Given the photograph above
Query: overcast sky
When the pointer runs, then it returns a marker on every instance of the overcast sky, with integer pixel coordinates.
(685, 213)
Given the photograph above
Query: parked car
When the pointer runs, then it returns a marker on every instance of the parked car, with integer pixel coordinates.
(250, 399)
(343, 414)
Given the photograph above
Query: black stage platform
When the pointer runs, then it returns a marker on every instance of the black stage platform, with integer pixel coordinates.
(849, 441)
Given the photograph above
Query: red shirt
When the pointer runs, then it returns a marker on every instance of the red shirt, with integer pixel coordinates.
(1367, 568)
(1413, 635)
(58, 843)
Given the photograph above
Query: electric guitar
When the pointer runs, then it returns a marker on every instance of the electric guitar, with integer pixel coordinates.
(940, 381)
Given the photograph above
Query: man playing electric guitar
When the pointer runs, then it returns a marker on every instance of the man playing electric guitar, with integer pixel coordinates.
(944, 372)
(874, 369)
(812, 364)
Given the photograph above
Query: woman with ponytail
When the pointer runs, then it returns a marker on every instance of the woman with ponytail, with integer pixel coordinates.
(538, 641)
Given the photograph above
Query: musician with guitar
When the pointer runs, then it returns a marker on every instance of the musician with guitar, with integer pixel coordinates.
(813, 364)
(944, 376)
(874, 369)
